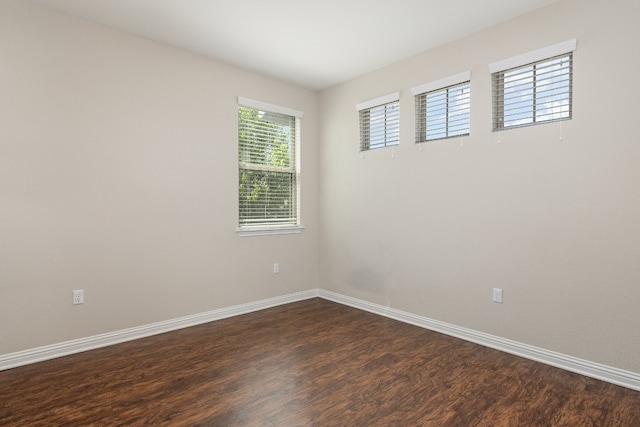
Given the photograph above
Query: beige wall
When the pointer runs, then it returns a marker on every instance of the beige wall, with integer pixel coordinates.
(554, 223)
(118, 175)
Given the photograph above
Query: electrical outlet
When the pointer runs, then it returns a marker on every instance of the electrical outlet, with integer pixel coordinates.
(78, 297)
(276, 268)
(497, 295)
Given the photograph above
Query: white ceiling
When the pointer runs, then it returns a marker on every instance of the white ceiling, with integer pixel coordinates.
(316, 44)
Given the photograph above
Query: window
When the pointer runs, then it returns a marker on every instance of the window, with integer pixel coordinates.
(443, 108)
(380, 122)
(268, 166)
(537, 91)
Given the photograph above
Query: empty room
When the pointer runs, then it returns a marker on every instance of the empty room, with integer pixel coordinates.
(330, 213)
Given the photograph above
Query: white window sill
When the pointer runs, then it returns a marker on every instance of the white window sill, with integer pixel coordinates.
(268, 231)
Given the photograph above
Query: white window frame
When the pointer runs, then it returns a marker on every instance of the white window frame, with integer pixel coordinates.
(273, 229)
(421, 92)
(514, 64)
(387, 111)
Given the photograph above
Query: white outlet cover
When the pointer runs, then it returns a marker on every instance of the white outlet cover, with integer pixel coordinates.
(497, 295)
(78, 297)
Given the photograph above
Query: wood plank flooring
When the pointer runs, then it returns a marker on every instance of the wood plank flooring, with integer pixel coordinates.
(310, 363)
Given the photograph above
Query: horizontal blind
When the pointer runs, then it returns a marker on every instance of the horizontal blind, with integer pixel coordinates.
(443, 113)
(380, 126)
(533, 93)
(267, 168)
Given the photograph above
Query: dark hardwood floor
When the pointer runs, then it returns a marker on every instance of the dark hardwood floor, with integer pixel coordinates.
(311, 363)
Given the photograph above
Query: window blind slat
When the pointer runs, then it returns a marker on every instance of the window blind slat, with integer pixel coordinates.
(267, 168)
(443, 112)
(380, 126)
(533, 93)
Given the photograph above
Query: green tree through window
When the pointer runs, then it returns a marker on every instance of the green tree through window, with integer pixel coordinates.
(267, 168)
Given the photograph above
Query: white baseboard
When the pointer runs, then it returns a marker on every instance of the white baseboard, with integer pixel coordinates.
(66, 348)
(573, 364)
(590, 369)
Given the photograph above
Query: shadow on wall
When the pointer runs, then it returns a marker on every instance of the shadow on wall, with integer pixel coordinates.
(369, 280)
